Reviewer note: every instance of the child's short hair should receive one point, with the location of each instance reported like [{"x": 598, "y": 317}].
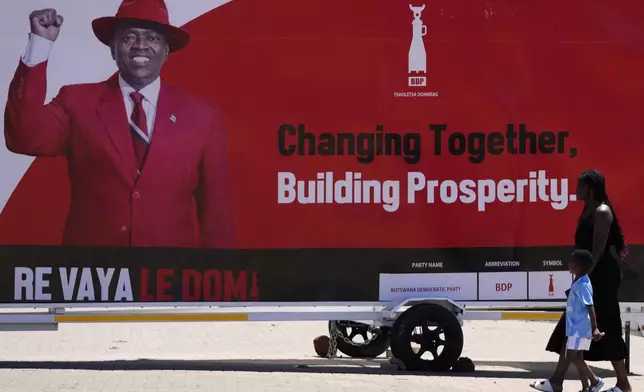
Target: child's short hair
[{"x": 584, "y": 258}]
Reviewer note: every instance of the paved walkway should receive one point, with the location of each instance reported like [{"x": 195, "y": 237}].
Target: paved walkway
[{"x": 261, "y": 357}]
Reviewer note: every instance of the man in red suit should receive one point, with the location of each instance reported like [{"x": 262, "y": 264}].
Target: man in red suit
[{"x": 141, "y": 154}]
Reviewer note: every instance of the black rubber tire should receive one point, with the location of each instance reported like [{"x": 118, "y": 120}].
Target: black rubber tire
[
  {"x": 412, "y": 318},
  {"x": 376, "y": 347}
]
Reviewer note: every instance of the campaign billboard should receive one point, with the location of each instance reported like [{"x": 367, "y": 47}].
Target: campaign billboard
[{"x": 312, "y": 151}]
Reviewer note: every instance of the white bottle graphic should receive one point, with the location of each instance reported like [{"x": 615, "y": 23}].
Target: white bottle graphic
[{"x": 417, "y": 53}]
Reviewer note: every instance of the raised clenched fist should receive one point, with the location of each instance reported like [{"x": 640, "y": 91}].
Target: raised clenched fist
[{"x": 46, "y": 23}]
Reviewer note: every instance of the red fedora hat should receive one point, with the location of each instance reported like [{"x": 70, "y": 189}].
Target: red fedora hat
[{"x": 154, "y": 11}]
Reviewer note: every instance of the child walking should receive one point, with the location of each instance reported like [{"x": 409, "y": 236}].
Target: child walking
[{"x": 581, "y": 324}]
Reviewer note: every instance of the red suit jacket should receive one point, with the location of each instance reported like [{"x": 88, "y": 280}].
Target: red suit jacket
[{"x": 111, "y": 204}]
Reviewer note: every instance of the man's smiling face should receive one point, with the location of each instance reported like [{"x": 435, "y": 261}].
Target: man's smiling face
[{"x": 140, "y": 50}]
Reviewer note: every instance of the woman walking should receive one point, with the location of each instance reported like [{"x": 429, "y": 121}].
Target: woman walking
[{"x": 598, "y": 231}]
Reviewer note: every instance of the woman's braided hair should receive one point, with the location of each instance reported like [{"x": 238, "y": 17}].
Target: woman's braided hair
[{"x": 596, "y": 182}]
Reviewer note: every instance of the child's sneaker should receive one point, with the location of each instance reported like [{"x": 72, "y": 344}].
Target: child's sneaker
[{"x": 597, "y": 387}]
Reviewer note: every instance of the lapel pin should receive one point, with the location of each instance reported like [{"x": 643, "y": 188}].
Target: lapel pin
[{"x": 173, "y": 118}]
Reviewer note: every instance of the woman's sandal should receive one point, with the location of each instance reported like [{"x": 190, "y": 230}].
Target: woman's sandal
[{"x": 544, "y": 386}]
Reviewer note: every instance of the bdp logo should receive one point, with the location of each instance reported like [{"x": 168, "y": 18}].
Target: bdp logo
[{"x": 417, "y": 53}]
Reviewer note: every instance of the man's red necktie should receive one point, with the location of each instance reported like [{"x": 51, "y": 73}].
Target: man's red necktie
[{"x": 139, "y": 119}]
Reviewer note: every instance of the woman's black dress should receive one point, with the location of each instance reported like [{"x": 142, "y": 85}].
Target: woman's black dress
[{"x": 606, "y": 278}]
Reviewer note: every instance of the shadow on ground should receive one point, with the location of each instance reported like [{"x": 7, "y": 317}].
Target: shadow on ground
[{"x": 484, "y": 369}]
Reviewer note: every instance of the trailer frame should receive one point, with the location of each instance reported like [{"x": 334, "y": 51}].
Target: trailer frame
[{"x": 391, "y": 318}]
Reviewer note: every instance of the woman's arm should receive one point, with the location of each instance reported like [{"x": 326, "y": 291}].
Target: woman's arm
[{"x": 603, "y": 219}]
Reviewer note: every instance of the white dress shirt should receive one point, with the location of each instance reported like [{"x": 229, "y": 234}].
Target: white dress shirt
[{"x": 39, "y": 49}]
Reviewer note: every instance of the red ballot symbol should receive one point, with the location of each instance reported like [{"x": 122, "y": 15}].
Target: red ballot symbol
[{"x": 551, "y": 286}]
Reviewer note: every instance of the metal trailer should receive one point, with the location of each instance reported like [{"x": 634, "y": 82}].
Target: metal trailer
[{"x": 398, "y": 326}]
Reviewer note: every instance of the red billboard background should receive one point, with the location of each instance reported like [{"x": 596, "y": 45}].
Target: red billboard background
[{"x": 335, "y": 66}]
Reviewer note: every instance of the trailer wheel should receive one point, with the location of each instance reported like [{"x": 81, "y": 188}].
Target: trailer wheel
[
  {"x": 374, "y": 342},
  {"x": 431, "y": 327}
]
